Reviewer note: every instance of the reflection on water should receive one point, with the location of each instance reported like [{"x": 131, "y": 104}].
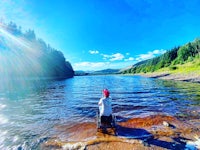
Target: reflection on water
[{"x": 30, "y": 109}]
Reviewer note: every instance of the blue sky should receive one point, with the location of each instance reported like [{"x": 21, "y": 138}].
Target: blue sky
[{"x": 100, "y": 34}]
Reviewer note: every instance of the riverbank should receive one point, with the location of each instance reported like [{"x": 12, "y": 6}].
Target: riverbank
[
  {"x": 188, "y": 77},
  {"x": 189, "y": 72}
]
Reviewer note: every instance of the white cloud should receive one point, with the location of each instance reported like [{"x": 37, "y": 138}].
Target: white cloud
[
  {"x": 129, "y": 59},
  {"x": 94, "y": 52},
  {"x": 105, "y": 56},
  {"x": 116, "y": 56},
  {"x": 93, "y": 66},
  {"x": 150, "y": 55},
  {"x": 113, "y": 57},
  {"x": 90, "y": 65},
  {"x": 158, "y": 52},
  {"x": 145, "y": 56}
]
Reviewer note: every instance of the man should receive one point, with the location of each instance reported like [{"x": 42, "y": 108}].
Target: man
[{"x": 105, "y": 108}]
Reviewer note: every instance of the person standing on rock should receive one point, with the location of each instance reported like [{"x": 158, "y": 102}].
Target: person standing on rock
[{"x": 105, "y": 107}]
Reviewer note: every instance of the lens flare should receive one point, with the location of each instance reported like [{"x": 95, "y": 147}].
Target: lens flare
[{"x": 18, "y": 58}]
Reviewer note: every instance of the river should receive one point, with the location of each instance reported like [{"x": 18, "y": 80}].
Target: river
[{"x": 30, "y": 109}]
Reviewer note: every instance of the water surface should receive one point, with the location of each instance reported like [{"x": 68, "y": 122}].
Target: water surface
[{"x": 30, "y": 109}]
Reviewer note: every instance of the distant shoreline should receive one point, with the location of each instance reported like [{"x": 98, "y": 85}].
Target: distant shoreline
[{"x": 187, "y": 77}]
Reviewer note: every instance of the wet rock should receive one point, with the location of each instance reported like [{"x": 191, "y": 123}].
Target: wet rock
[
  {"x": 165, "y": 123},
  {"x": 147, "y": 121},
  {"x": 137, "y": 133}
]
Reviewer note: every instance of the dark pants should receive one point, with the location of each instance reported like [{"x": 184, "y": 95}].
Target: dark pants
[{"x": 106, "y": 119}]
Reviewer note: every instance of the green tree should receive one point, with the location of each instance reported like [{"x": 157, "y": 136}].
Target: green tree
[{"x": 52, "y": 62}]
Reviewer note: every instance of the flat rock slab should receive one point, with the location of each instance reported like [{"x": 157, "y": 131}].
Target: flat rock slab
[{"x": 136, "y": 133}]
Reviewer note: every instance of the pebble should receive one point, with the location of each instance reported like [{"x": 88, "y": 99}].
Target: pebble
[{"x": 165, "y": 123}]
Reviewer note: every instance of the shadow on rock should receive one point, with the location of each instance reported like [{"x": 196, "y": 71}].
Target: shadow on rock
[
  {"x": 176, "y": 144},
  {"x": 148, "y": 139},
  {"x": 135, "y": 133}
]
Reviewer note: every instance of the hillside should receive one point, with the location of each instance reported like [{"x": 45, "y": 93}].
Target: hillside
[
  {"x": 189, "y": 71},
  {"x": 106, "y": 71},
  {"x": 24, "y": 55},
  {"x": 99, "y": 72},
  {"x": 179, "y": 60}
]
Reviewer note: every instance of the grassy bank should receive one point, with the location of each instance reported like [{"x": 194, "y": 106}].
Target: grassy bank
[
  {"x": 187, "y": 68},
  {"x": 189, "y": 71}
]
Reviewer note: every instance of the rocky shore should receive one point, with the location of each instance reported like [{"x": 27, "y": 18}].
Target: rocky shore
[
  {"x": 188, "y": 77},
  {"x": 151, "y": 132}
]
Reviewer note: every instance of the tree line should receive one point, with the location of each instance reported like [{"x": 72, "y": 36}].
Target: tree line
[
  {"x": 173, "y": 57},
  {"x": 52, "y": 62}
]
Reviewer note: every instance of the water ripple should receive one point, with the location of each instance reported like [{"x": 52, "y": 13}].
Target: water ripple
[{"x": 28, "y": 117}]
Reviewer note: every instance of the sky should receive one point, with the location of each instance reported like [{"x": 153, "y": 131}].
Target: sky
[{"x": 101, "y": 34}]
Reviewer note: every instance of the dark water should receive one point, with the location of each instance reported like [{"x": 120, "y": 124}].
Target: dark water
[{"x": 30, "y": 109}]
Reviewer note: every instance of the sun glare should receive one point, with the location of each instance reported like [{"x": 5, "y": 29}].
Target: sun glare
[{"x": 17, "y": 58}]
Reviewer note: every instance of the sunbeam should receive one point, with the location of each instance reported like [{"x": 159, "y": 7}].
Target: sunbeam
[{"x": 18, "y": 59}]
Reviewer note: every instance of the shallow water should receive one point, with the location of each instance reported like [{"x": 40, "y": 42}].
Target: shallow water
[{"x": 30, "y": 110}]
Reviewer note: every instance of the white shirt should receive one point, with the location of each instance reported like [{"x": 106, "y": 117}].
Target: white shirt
[{"x": 105, "y": 107}]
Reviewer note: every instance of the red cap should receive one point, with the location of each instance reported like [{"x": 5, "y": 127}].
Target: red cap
[{"x": 106, "y": 92}]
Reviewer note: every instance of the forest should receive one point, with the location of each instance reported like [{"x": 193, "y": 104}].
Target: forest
[
  {"x": 23, "y": 54},
  {"x": 176, "y": 56}
]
